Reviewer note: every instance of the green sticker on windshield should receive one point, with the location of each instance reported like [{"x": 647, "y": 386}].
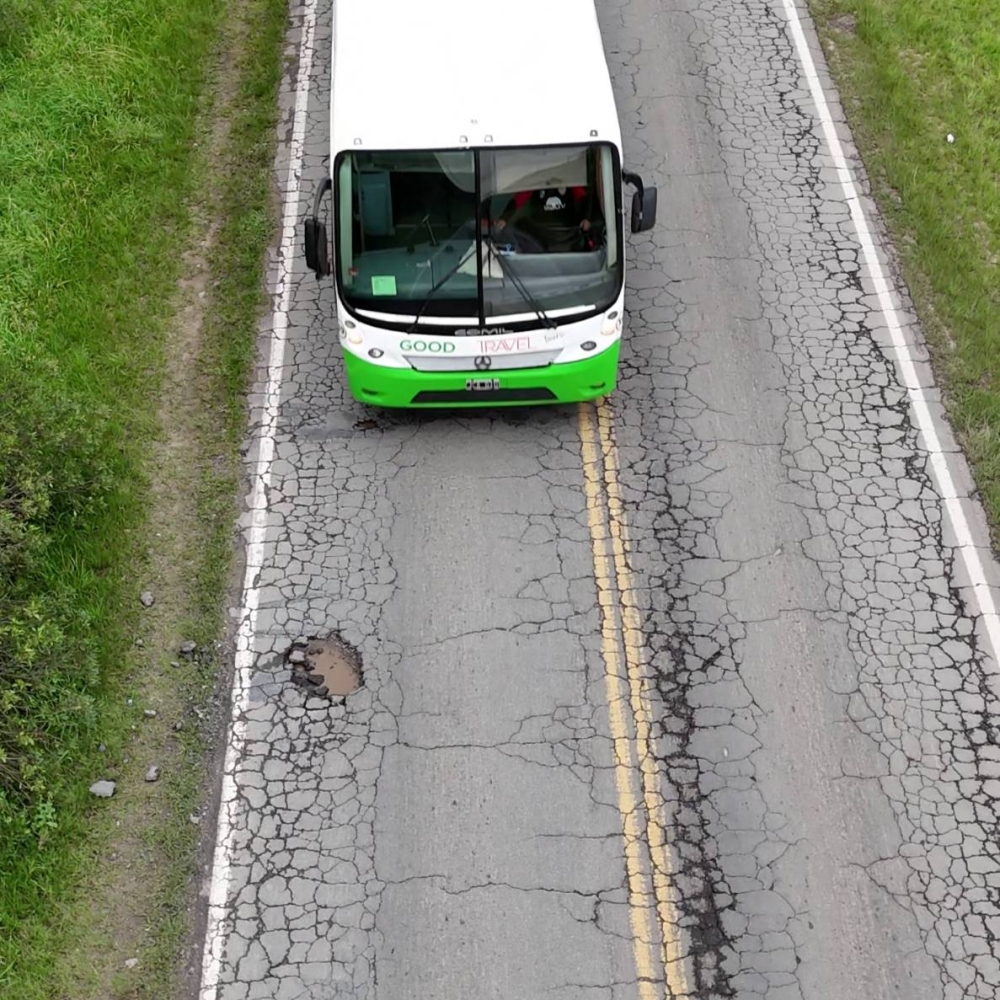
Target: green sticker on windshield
[{"x": 384, "y": 284}]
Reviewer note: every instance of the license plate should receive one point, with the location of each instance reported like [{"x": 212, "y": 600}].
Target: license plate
[{"x": 482, "y": 384}]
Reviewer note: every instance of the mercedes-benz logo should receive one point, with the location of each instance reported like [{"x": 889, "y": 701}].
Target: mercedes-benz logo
[{"x": 483, "y": 363}]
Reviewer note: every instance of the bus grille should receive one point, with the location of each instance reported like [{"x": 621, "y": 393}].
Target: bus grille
[{"x": 532, "y": 395}]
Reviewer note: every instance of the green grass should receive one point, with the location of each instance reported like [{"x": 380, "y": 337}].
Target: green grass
[
  {"x": 910, "y": 72},
  {"x": 97, "y": 103},
  {"x": 248, "y": 211},
  {"x": 100, "y": 101}
]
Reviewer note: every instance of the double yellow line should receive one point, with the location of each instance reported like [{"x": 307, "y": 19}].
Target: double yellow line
[{"x": 661, "y": 961}]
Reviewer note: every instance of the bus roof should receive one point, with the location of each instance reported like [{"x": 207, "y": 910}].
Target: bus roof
[{"x": 411, "y": 74}]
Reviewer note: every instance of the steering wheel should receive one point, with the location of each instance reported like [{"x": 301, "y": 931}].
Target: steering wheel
[
  {"x": 521, "y": 241},
  {"x": 576, "y": 240}
]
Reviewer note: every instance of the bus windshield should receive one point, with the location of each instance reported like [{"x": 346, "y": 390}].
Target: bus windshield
[{"x": 479, "y": 236}]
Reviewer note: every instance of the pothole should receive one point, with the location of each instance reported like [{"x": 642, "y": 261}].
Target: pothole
[{"x": 327, "y": 668}]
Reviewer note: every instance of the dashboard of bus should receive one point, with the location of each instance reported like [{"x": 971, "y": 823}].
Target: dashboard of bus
[{"x": 478, "y": 236}]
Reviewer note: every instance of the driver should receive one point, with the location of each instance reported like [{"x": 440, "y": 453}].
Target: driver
[{"x": 549, "y": 213}]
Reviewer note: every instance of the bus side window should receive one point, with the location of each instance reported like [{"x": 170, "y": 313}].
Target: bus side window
[
  {"x": 594, "y": 209},
  {"x": 608, "y": 205},
  {"x": 349, "y": 232}
]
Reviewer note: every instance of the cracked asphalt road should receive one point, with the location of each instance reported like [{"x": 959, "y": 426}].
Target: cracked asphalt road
[{"x": 827, "y": 754}]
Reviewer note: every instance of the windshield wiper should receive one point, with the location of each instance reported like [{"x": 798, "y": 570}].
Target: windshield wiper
[
  {"x": 545, "y": 319},
  {"x": 436, "y": 287},
  {"x": 515, "y": 279}
]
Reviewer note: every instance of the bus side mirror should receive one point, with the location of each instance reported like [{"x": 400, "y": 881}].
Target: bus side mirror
[
  {"x": 643, "y": 204},
  {"x": 317, "y": 257},
  {"x": 314, "y": 235},
  {"x": 643, "y": 210}
]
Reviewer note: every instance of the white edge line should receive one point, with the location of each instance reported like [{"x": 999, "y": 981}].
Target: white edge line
[
  {"x": 982, "y": 595},
  {"x": 261, "y": 480}
]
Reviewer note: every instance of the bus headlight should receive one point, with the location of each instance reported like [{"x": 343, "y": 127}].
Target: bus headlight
[
  {"x": 354, "y": 337},
  {"x": 612, "y": 324}
]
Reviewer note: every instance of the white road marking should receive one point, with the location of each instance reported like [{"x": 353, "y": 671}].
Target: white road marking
[
  {"x": 261, "y": 480},
  {"x": 982, "y": 598}
]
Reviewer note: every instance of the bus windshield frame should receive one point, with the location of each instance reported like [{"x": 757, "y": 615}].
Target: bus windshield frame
[{"x": 455, "y": 238}]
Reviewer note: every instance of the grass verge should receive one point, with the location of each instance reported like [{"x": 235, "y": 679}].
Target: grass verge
[
  {"x": 911, "y": 73},
  {"x": 135, "y": 179}
]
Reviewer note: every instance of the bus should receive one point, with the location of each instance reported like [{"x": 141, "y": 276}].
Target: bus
[{"x": 472, "y": 217}]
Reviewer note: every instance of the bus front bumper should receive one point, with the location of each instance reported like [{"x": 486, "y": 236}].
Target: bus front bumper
[{"x": 404, "y": 388}]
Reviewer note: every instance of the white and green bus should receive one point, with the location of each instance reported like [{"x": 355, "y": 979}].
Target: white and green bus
[{"x": 472, "y": 218}]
